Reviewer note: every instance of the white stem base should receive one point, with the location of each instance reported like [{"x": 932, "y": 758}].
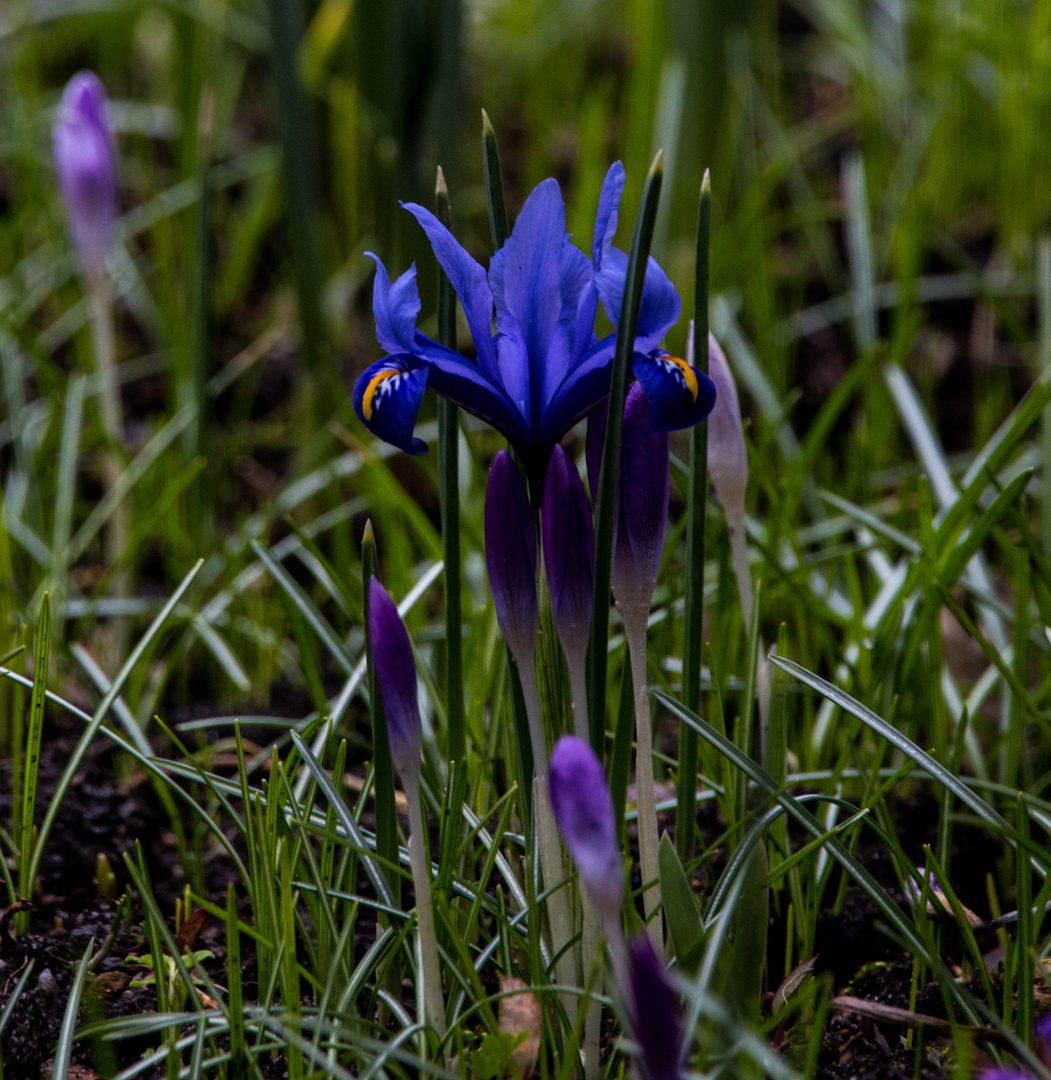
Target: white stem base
[
  {"x": 551, "y": 867},
  {"x": 433, "y": 1001}
]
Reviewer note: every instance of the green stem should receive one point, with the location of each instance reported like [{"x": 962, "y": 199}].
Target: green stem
[
  {"x": 606, "y": 495},
  {"x": 433, "y": 1001},
  {"x": 635, "y": 631},
  {"x": 696, "y": 504},
  {"x": 449, "y": 494}
]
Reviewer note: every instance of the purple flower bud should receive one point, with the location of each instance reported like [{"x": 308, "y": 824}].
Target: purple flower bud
[
  {"x": 569, "y": 553},
  {"x": 642, "y": 501},
  {"x": 727, "y": 457},
  {"x": 656, "y": 1014},
  {"x": 1043, "y": 1032},
  {"x": 510, "y": 556},
  {"x": 1003, "y": 1074},
  {"x": 584, "y": 812},
  {"x": 86, "y": 164},
  {"x": 396, "y": 677}
]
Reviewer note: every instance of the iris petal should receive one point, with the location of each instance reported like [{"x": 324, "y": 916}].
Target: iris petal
[
  {"x": 660, "y": 306},
  {"x": 678, "y": 395},
  {"x": 525, "y": 277},
  {"x": 606, "y": 218},
  {"x": 395, "y": 307},
  {"x": 468, "y": 280},
  {"x": 387, "y": 399}
]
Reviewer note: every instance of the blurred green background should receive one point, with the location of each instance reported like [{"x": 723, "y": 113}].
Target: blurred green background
[{"x": 879, "y": 173}]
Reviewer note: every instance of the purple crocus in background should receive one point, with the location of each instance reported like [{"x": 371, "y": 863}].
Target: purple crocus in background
[
  {"x": 569, "y": 562},
  {"x": 656, "y": 1014},
  {"x": 85, "y": 155},
  {"x": 728, "y": 464},
  {"x": 86, "y": 165},
  {"x": 396, "y": 680},
  {"x": 642, "y": 513},
  {"x": 545, "y": 369}
]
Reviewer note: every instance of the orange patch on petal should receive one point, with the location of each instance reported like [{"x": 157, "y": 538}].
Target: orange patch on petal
[
  {"x": 687, "y": 374},
  {"x": 374, "y": 385}
]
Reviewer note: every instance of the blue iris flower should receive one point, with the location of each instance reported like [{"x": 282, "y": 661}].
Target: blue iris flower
[{"x": 544, "y": 369}]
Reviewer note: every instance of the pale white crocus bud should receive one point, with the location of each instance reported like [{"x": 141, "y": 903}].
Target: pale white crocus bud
[{"x": 728, "y": 462}]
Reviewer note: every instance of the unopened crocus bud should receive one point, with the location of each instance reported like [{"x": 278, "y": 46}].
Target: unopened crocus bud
[
  {"x": 728, "y": 468},
  {"x": 569, "y": 553},
  {"x": 642, "y": 502},
  {"x": 396, "y": 677},
  {"x": 510, "y": 556},
  {"x": 727, "y": 457},
  {"x": 584, "y": 812},
  {"x": 86, "y": 164},
  {"x": 656, "y": 1014}
]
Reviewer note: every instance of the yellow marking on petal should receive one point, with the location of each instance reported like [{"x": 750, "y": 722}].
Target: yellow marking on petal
[
  {"x": 374, "y": 385},
  {"x": 687, "y": 374}
]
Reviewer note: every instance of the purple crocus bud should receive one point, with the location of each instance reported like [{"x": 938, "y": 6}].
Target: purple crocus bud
[
  {"x": 86, "y": 164},
  {"x": 396, "y": 677},
  {"x": 1003, "y": 1074},
  {"x": 727, "y": 457},
  {"x": 584, "y": 813},
  {"x": 569, "y": 553},
  {"x": 656, "y": 1013},
  {"x": 642, "y": 502},
  {"x": 510, "y": 556},
  {"x": 1043, "y": 1033}
]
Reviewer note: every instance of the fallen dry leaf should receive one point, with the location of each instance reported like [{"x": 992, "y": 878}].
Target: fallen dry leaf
[{"x": 520, "y": 1012}]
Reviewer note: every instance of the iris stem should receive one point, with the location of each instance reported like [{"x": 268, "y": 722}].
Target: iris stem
[
  {"x": 433, "y": 1002},
  {"x": 105, "y": 347},
  {"x": 635, "y": 631},
  {"x": 547, "y": 835}
]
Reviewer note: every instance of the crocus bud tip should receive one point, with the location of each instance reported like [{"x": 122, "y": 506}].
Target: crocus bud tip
[{"x": 583, "y": 811}]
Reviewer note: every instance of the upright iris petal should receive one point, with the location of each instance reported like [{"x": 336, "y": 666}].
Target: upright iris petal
[
  {"x": 86, "y": 165},
  {"x": 510, "y": 557},
  {"x": 569, "y": 561},
  {"x": 396, "y": 676},
  {"x": 584, "y": 812},
  {"x": 544, "y": 369},
  {"x": 656, "y": 1014}
]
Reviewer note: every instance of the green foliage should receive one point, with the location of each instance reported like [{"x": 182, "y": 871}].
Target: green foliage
[{"x": 881, "y": 286}]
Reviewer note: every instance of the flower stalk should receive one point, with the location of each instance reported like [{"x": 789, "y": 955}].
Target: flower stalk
[{"x": 396, "y": 680}]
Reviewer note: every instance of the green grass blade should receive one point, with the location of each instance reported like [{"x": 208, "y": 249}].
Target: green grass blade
[
  {"x": 494, "y": 184},
  {"x": 88, "y": 736},
  {"x": 238, "y": 1068},
  {"x": 307, "y": 608},
  {"x": 899, "y": 741},
  {"x": 297, "y": 150},
  {"x": 64, "y": 1049},
  {"x": 376, "y": 875},
  {"x": 605, "y": 499},
  {"x": 31, "y": 766},
  {"x": 696, "y": 504}
]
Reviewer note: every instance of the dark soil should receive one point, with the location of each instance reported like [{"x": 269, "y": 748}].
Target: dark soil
[{"x": 106, "y": 815}]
